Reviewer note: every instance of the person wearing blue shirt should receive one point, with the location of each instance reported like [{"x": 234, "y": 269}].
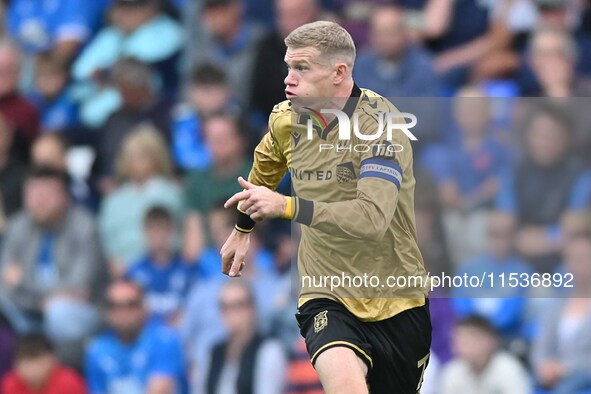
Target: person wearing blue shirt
[
  {"x": 58, "y": 26},
  {"x": 467, "y": 173},
  {"x": 134, "y": 356},
  {"x": 208, "y": 93},
  {"x": 51, "y": 95},
  {"x": 502, "y": 306},
  {"x": 392, "y": 66},
  {"x": 164, "y": 276}
]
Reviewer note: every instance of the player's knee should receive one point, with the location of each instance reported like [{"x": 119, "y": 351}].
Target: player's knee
[{"x": 341, "y": 371}]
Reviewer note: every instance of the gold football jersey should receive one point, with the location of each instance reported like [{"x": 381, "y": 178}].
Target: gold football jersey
[{"x": 355, "y": 201}]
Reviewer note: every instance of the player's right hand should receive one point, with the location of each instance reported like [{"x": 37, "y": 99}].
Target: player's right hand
[{"x": 234, "y": 252}]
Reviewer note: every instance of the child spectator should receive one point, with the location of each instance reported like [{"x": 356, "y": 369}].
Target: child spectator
[
  {"x": 165, "y": 278},
  {"x": 479, "y": 366},
  {"x": 208, "y": 93},
  {"x": 51, "y": 95},
  {"x": 503, "y": 307},
  {"x": 37, "y": 370}
]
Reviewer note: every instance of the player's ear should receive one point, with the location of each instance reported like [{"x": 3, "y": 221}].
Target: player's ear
[{"x": 341, "y": 73}]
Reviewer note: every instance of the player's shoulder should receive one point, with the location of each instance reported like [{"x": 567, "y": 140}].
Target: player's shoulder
[
  {"x": 375, "y": 102},
  {"x": 280, "y": 118}
]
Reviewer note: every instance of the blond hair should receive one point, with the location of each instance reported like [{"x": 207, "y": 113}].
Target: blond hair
[
  {"x": 149, "y": 141},
  {"x": 330, "y": 38}
]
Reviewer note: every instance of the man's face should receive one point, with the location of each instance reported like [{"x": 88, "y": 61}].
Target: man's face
[
  {"x": 472, "y": 114},
  {"x": 159, "y": 234},
  {"x": 50, "y": 82},
  {"x": 48, "y": 152},
  {"x": 550, "y": 61},
  {"x": 46, "y": 200},
  {"x": 388, "y": 34},
  {"x": 309, "y": 80},
  {"x": 126, "y": 312},
  {"x": 473, "y": 346},
  {"x": 547, "y": 140},
  {"x": 292, "y": 14},
  {"x": 9, "y": 71},
  {"x": 208, "y": 99},
  {"x": 236, "y": 309},
  {"x": 35, "y": 371},
  {"x": 221, "y": 20},
  {"x": 223, "y": 141}
]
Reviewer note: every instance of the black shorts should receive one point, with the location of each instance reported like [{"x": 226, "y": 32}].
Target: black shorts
[{"x": 396, "y": 350}]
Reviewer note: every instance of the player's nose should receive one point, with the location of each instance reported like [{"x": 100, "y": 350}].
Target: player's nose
[{"x": 290, "y": 79}]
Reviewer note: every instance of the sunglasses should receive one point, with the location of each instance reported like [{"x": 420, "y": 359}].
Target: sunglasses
[{"x": 235, "y": 305}]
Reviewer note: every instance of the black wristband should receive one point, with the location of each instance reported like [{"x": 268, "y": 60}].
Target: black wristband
[{"x": 244, "y": 223}]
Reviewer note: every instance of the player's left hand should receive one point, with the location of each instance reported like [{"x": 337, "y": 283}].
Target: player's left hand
[{"x": 258, "y": 202}]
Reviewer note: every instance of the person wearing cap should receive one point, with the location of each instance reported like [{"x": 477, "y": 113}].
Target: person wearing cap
[{"x": 135, "y": 27}]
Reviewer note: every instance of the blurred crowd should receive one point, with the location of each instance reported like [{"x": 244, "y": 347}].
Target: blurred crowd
[{"x": 124, "y": 125}]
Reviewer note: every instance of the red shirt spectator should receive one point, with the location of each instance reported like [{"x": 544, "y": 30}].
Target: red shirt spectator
[{"x": 61, "y": 380}]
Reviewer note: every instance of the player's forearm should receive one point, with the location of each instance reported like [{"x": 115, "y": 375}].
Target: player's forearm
[{"x": 361, "y": 218}]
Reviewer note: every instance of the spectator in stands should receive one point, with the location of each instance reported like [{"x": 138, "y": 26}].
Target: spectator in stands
[
  {"x": 51, "y": 263},
  {"x": 51, "y": 95},
  {"x": 562, "y": 350},
  {"x": 165, "y": 278},
  {"x": 50, "y": 150},
  {"x": 12, "y": 172},
  {"x": 204, "y": 188},
  {"x": 553, "y": 57},
  {"x": 208, "y": 94},
  {"x": 144, "y": 166},
  {"x": 479, "y": 366},
  {"x": 134, "y": 356},
  {"x": 392, "y": 66},
  {"x": 524, "y": 191},
  {"x": 140, "y": 103},
  {"x": 228, "y": 41},
  {"x": 467, "y": 173},
  {"x": 560, "y": 15},
  {"x": 56, "y": 26},
  {"x": 202, "y": 323},
  {"x": 135, "y": 26},
  {"x": 503, "y": 307},
  {"x": 18, "y": 111},
  {"x": 270, "y": 70},
  {"x": 245, "y": 361},
  {"x": 462, "y": 33},
  {"x": 37, "y": 370}
]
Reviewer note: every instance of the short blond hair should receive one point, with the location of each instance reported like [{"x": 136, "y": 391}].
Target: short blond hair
[
  {"x": 330, "y": 38},
  {"x": 149, "y": 141}
]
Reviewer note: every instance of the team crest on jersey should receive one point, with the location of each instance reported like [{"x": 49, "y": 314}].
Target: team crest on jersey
[
  {"x": 320, "y": 321},
  {"x": 345, "y": 172},
  {"x": 296, "y": 138}
]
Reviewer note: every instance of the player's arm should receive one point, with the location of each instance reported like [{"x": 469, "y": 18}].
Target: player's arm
[
  {"x": 367, "y": 216},
  {"x": 267, "y": 171}
]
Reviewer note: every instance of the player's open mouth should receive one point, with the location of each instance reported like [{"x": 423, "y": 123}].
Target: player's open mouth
[{"x": 289, "y": 94}]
